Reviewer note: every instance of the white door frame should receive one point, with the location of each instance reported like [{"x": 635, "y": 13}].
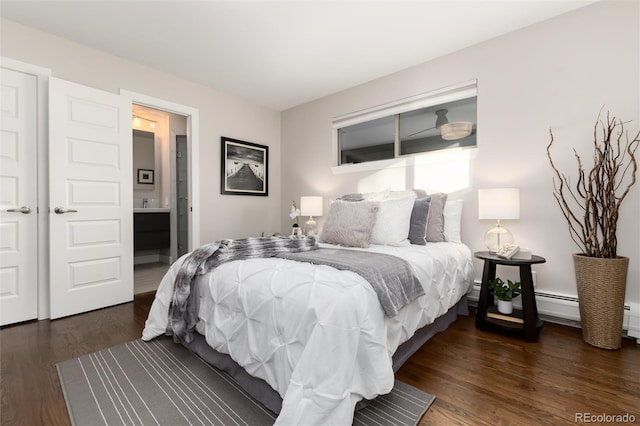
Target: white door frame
[
  {"x": 193, "y": 135},
  {"x": 42, "y": 81}
]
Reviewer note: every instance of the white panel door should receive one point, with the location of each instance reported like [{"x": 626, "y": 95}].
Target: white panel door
[
  {"x": 91, "y": 213},
  {"x": 18, "y": 198}
]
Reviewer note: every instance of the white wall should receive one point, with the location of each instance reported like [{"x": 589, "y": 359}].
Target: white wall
[
  {"x": 221, "y": 114},
  {"x": 556, "y": 74}
]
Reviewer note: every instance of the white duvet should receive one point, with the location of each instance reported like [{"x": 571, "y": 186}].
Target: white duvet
[{"x": 317, "y": 335}]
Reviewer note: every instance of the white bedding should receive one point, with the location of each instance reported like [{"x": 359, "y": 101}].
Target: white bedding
[{"x": 317, "y": 335}]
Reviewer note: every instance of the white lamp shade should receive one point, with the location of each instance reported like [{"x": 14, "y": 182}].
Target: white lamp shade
[
  {"x": 311, "y": 206},
  {"x": 499, "y": 203}
]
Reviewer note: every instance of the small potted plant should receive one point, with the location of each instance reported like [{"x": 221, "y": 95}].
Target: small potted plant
[{"x": 505, "y": 292}]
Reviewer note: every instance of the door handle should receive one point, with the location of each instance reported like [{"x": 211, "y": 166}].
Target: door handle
[
  {"x": 23, "y": 210},
  {"x": 62, "y": 210}
]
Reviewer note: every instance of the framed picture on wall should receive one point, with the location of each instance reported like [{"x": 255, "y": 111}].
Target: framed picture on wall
[
  {"x": 145, "y": 176},
  {"x": 244, "y": 168}
]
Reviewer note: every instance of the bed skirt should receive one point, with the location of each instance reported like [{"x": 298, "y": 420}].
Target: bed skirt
[{"x": 260, "y": 390}]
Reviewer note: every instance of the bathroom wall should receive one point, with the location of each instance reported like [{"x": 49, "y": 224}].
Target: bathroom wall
[{"x": 144, "y": 160}]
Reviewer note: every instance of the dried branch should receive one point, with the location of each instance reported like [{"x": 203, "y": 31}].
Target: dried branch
[{"x": 598, "y": 194}]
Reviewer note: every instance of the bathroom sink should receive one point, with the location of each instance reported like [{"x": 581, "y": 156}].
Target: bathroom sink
[{"x": 151, "y": 210}]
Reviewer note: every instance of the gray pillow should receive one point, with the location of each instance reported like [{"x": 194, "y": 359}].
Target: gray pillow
[
  {"x": 418, "y": 225},
  {"x": 349, "y": 223},
  {"x": 351, "y": 197},
  {"x": 420, "y": 193},
  {"x": 435, "y": 220}
]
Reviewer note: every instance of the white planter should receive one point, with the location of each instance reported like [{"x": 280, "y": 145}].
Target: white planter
[{"x": 505, "y": 306}]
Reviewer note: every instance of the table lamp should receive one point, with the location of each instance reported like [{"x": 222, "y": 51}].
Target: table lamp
[
  {"x": 310, "y": 206},
  {"x": 498, "y": 204}
]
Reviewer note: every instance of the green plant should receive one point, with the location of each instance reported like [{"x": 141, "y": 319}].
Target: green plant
[{"x": 505, "y": 291}]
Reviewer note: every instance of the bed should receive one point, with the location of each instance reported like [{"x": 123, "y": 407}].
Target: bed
[{"x": 308, "y": 340}]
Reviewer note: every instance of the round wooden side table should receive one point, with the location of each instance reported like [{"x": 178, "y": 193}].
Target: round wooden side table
[{"x": 524, "y": 321}]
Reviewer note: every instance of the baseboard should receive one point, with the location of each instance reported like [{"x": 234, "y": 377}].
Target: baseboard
[
  {"x": 634, "y": 321},
  {"x": 564, "y": 310}
]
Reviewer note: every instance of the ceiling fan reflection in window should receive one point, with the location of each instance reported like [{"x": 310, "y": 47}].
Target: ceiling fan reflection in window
[{"x": 449, "y": 131}]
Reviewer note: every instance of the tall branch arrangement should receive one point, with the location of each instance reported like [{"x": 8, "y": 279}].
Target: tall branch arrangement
[{"x": 591, "y": 205}]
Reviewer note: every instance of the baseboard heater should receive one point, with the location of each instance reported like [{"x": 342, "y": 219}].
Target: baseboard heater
[{"x": 553, "y": 308}]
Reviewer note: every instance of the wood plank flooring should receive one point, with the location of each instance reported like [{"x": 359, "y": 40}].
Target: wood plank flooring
[
  {"x": 485, "y": 378},
  {"x": 478, "y": 377}
]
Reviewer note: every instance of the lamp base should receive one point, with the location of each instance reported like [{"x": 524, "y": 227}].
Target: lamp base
[
  {"x": 497, "y": 237},
  {"x": 310, "y": 228}
]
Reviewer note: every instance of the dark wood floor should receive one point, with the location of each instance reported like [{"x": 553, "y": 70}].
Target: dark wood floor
[
  {"x": 478, "y": 377},
  {"x": 484, "y": 378}
]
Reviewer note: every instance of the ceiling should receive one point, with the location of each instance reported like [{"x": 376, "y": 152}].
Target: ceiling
[{"x": 282, "y": 53}]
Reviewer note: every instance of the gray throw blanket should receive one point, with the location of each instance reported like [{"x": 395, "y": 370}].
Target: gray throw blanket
[
  {"x": 183, "y": 315},
  {"x": 391, "y": 277}
]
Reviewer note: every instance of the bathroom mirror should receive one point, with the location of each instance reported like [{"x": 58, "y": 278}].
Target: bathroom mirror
[{"x": 144, "y": 161}]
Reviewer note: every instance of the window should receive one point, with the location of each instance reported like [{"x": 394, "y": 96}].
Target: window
[
  {"x": 368, "y": 141},
  {"x": 434, "y": 121}
]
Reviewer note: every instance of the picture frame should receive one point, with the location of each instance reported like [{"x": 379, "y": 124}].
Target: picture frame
[
  {"x": 244, "y": 168},
  {"x": 145, "y": 176}
]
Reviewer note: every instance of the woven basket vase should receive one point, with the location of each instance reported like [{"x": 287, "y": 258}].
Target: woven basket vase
[{"x": 601, "y": 286}]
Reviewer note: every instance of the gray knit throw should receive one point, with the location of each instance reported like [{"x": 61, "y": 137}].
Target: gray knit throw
[{"x": 183, "y": 315}]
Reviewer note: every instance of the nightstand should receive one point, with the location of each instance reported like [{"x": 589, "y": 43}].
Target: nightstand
[{"x": 523, "y": 321}]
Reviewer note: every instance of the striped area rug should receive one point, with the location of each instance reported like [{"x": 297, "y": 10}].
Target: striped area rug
[{"x": 162, "y": 383}]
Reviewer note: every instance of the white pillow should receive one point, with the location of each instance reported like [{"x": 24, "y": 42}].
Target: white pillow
[
  {"x": 392, "y": 222},
  {"x": 394, "y": 195},
  {"x": 376, "y": 196},
  {"x": 452, "y": 219}
]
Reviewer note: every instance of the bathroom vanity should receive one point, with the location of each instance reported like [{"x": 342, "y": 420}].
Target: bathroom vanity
[{"x": 151, "y": 229}]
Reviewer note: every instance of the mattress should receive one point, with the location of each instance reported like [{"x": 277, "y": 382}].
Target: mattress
[
  {"x": 262, "y": 392},
  {"x": 316, "y": 335}
]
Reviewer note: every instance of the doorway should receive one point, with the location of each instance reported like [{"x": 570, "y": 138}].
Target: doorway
[
  {"x": 45, "y": 282},
  {"x": 178, "y": 173},
  {"x": 160, "y": 195}
]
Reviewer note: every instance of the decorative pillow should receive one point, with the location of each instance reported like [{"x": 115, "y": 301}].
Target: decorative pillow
[
  {"x": 394, "y": 195},
  {"x": 349, "y": 223},
  {"x": 376, "y": 196},
  {"x": 392, "y": 222},
  {"x": 418, "y": 222},
  {"x": 351, "y": 197},
  {"x": 420, "y": 193},
  {"x": 452, "y": 218},
  {"x": 368, "y": 196},
  {"x": 435, "y": 221}
]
